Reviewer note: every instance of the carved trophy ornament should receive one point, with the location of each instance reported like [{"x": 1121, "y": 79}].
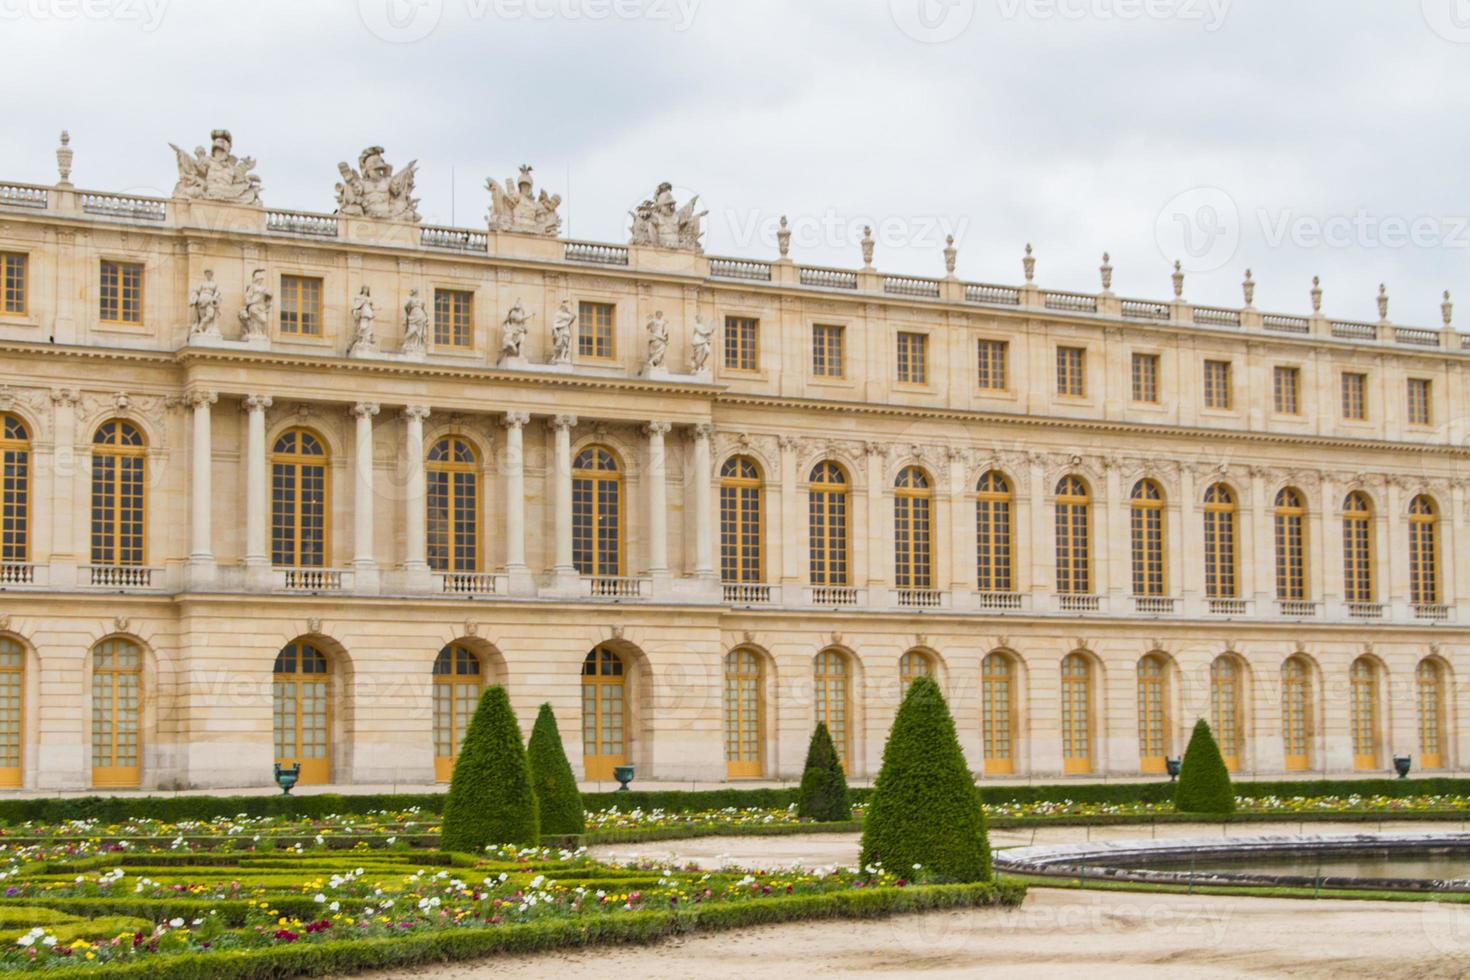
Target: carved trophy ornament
[
  {"x": 373, "y": 190},
  {"x": 218, "y": 175},
  {"x": 256, "y": 316},
  {"x": 661, "y": 222},
  {"x": 204, "y": 306},
  {"x": 516, "y": 207}
]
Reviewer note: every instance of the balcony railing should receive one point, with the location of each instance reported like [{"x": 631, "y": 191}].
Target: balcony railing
[
  {"x": 595, "y": 253},
  {"x": 23, "y": 196},
  {"x": 1433, "y": 611},
  {"x": 454, "y": 239},
  {"x": 1416, "y": 336},
  {"x": 811, "y": 275},
  {"x": 618, "y": 587},
  {"x": 1073, "y": 602},
  {"x": 984, "y": 292},
  {"x": 747, "y": 594},
  {"x": 1353, "y": 330},
  {"x": 740, "y": 269},
  {"x": 998, "y": 601},
  {"x": 1153, "y": 605},
  {"x": 17, "y": 573},
  {"x": 833, "y": 595},
  {"x": 1227, "y": 607},
  {"x": 313, "y": 579},
  {"x": 911, "y": 286},
  {"x": 1365, "y": 610},
  {"x": 1142, "y": 309},
  {"x": 1297, "y": 608},
  {"x": 1281, "y": 323},
  {"x": 1069, "y": 302},
  {"x": 1216, "y": 316},
  {"x": 122, "y": 206},
  {"x": 120, "y": 576},
  {"x": 920, "y": 598},
  {"x": 467, "y": 583},
  {"x": 301, "y": 223}
]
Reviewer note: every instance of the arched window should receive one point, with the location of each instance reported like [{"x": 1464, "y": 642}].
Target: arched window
[
  {"x": 1076, "y": 713},
  {"x": 458, "y": 682},
  {"x": 744, "y": 722},
  {"x": 1146, "y": 513},
  {"x": 1364, "y": 703},
  {"x": 832, "y": 686},
  {"x": 1291, "y": 552},
  {"x": 604, "y": 713},
  {"x": 301, "y": 695},
  {"x": 299, "y": 500},
  {"x": 1153, "y": 713},
  {"x": 914, "y": 664},
  {"x": 597, "y": 514},
  {"x": 1357, "y": 549},
  {"x": 1296, "y": 714},
  {"x": 119, "y": 476},
  {"x": 12, "y": 700},
  {"x": 827, "y": 511},
  {"x": 117, "y": 703},
  {"x": 452, "y": 484},
  {"x": 15, "y": 495},
  {"x": 742, "y": 531},
  {"x": 1430, "y": 677},
  {"x": 1227, "y": 714},
  {"x": 1074, "y": 537},
  {"x": 994, "y": 534},
  {"x": 998, "y": 713},
  {"x": 1423, "y": 552},
  {"x": 913, "y": 530},
  {"x": 1220, "y": 563}
]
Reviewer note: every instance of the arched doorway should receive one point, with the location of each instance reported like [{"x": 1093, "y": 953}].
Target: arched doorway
[
  {"x": 1076, "y": 714},
  {"x": 1296, "y": 714},
  {"x": 1227, "y": 709},
  {"x": 12, "y": 700},
  {"x": 458, "y": 680},
  {"x": 301, "y": 698},
  {"x": 832, "y": 686},
  {"x": 998, "y": 713},
  {"x": 1153, "y": 713},
  {"x": 117, "y": 703},
  {"x": 604, "y": 713},
  {"x": 744, "y": 718}
]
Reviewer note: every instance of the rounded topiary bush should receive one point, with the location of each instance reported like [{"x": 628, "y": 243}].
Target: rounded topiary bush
[
  {"x": 490, "y": 799},
  {"x": 557, "y": 796},
  {"x": 925, "y": 808},
  {"x": 1204, "y": 782},
  {"x": 823, "y": 793}
]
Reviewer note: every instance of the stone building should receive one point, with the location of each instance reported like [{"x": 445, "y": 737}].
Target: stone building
[{"x": 282, "y": 486}]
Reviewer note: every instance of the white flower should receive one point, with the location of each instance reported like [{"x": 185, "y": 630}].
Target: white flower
[
  {"x": 176, "y": 923},
  {"x": 335, "y": 906},
  {"x": 320, "y": 898}
]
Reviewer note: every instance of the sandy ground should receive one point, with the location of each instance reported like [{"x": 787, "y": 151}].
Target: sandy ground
[{"x": 1085, "y": 933}]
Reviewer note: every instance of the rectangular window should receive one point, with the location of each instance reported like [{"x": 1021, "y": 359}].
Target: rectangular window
[
  {"x": 829, "y": 343},
  {"x": 742, "y": 343},
  {"x": 121, "y": 293},
  {"x": 913, "y": 358},
  {"x": 13, "y": 267},
  {"x": 1217, "y": 384},
  {"x": 301, "y": 306},
  {"x": 1286, "y": 390},
  {"x": 1419, "y": 401},
  {"x": 1354, "y": 396},
  {"x": 454, "y": 318},
  {"x": 1071, "y": 364},
  {"x": 993, "y": 357},
  {"x": 1146, "y": 378},
  {"x": 595, "y": 331}
]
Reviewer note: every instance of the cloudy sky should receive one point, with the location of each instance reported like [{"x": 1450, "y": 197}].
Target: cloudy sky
[{"x": 1296, "y": 137}]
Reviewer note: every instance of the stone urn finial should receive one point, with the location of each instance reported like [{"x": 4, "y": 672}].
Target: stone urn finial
[
  {"x": 1447, "y": 309},
  {"x": 1316, "y": 294},
  {"x": 63, "y": 160},
  {"x": 867, "y": 244},
  {"x": 1382, "y": 302},
  {"x": 1107, "y": 273},
  {"x": 1028, "y": 264},
  {"x": 1248, "y": 286},
  {"x": 951, "y": 254},
  {"x": 783, "y": 238},
  {"x": 1178, "y": 279}
]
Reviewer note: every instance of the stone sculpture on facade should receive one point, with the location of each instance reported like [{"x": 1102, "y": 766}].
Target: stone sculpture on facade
[
  {"x": 415, "y": 324},
  {"x": 363, "y": 313},
  {"x": 658, "y": 342},
  {"x": 516, "y": 208},
  {"x": 513, "y": 332},
  {"x": 561, "y": 333},
  {"x": 204, "y": 302},
  {"x": 375, "y": 191},
  {"x": 661, "y": 222},
  {"x": 218, "y": 175},
  {"x": 699, "y": 345},
  {"x": 255, "y": 318}
]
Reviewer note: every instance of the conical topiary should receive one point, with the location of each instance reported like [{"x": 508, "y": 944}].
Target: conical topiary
[
  {"x": 1204, "y": 782},
  {"x": 823, "y": 794},
  {"x": 925, "y": 808},
  {"x": 490, "y": 799},
  {"x": 557, "y": 796}
]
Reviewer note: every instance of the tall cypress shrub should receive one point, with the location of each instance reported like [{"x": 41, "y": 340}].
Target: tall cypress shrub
[
  {"x": 490, "y": 799},
  {"x": 823, "y": 793},
  {"x": 925, "y": 808},
  {"x": 1204, "y": 782},
  {"x": 551, "y": 774}
]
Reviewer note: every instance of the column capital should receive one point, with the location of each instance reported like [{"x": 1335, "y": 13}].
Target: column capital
[
  {"x": 363, "y": 410},
  {"x": 201, "y": 399},
  {"x": 257, "y": 403},
  {"x": 514, "y": 420},
  {"x": 658, "y": 428},
  {"x": 416, "y": 413},
  {"x": 704, "y": 430},
  {"x": 559, "y": 422},
  {"x": 65, "y": 396}
]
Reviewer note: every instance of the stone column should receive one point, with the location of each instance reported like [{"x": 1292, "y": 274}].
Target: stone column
[
  {"x": 257, "y": 552},
  {"x": 416, "y": 561},
  {"x": 873, "y": 563},
  {"x": 64, "y": 505},
  {"x": 363, "y": 563},
  {"x": 515, "y": 503},
  {"x": 201, "y": 548},
  {"x": 1110, "y": 543},
  {"x": 791, "y": 534},
  {"x": 564, "y": 573},
  {"x": 704, "y": 552},
  {"x": 658, "y": 505}
]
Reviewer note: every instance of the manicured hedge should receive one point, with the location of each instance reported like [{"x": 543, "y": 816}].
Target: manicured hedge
[
  {"x": 823, "y": 793},
  {"x": 1204, "y": 782},
  {"x": 491, "y": 799},
  {"x": 556, "y": 785}
]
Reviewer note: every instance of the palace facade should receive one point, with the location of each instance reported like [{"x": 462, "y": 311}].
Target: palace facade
[{"x": 292, "y": 487}]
